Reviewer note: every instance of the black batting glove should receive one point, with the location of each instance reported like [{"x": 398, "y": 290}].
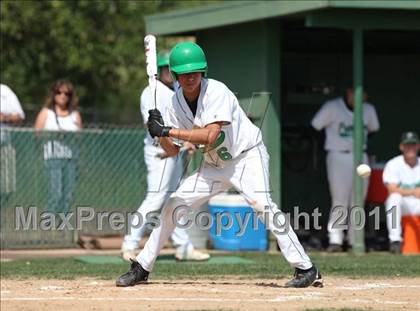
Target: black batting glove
[
  {"x": 157, "y": 128},
  {"x": 155, "y": 115},
  {"x": 156, "y": 125}
]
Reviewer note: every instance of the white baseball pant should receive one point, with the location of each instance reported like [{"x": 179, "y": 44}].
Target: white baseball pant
[
  {"x": 340, "y": 172},
  {"x": 249, "y": 174},
  {"x": 397, "y": 206},
  {"x": 163, "y": 178}
]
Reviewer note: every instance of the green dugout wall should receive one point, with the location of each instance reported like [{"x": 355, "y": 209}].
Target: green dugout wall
[
  {"x": 252, "y": 72},
  {"x": 302, "y": 54}
]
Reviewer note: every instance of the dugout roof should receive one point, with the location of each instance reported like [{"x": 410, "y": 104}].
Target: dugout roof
[{"x": 317, "y": 13}]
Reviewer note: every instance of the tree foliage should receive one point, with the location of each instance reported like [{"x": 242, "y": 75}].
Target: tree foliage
[{"x": 98, "y": 45}]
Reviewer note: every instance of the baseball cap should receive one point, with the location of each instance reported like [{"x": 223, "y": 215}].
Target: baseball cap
[{"x": 409, "y": 138}]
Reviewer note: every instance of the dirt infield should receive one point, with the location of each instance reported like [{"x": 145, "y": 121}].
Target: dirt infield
[{"x": 222, "y": 294}]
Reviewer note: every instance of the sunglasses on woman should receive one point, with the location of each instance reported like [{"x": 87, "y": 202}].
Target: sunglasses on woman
[{"x": 68, "y": 94}]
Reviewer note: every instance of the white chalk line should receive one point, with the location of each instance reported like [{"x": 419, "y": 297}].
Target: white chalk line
[
  {"x": 174, "y": 299},
  {"x": 205, "y": 289},
  {"x": 52, "y": 288},
  {"x": 375, "y": 285},
  {"x": 181, "y": 288},
  {"x": 307, "y": 296},
  {"x": 207, "y": 299}
]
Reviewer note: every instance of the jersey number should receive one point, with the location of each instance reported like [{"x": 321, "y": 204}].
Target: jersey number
[
  {"x": 224, "y": 154},
  {"x": 221, "y": 152}
]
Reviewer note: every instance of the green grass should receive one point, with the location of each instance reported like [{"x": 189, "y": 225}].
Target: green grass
[{"x": 264, "y": 266}]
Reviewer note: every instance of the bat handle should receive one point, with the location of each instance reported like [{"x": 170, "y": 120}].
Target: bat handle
[{"x": 156, "y": 141}]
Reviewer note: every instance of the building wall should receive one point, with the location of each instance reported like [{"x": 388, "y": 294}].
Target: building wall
[
  {"x": 394, "y": 82},
  {"x": 236, "y": 55}
]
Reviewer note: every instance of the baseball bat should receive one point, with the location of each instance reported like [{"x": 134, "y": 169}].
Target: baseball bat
[
  {"x": 151, "y": 68},
  {"x": 164, "y": 155}
]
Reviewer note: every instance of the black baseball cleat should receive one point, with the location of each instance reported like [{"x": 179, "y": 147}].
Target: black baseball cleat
[
  {"x": 306, "y": 278},
  {"x": 395, "y": 247},
  {"x": 335, "y": 248},
  {"x": 135, "y": 275}
]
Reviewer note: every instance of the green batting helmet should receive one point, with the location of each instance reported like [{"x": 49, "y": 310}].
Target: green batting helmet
[
  {"x": 187, "y": 57},
  {"x": 163, "y": 59}
]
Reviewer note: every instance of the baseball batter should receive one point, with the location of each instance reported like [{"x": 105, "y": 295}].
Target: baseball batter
[
  {"x": 163, "y": 175},
  {"x": 402, "y": 178},
  {"x": 205, "y": 112},
  {"x": 336, "y": 117}
]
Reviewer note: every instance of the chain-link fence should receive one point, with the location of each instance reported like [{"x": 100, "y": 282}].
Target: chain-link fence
[{"x": 59, "y": 172}]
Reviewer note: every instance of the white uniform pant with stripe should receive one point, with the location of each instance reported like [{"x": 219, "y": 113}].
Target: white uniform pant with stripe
[
  {"x": 340, "y": 171},
  {"x": 396, "y": 207},
  {"x": 249, "y": 174},
  {"x": 163, "y": 178}
]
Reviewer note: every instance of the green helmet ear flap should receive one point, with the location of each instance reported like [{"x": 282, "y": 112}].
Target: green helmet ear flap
[{"x": 187, "y": 57}]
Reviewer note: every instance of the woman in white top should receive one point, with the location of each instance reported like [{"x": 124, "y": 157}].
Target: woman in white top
[{"x": 60, "y": 114}]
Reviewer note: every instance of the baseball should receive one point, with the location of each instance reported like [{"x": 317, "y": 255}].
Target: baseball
[{"x": 363, "y": 170}]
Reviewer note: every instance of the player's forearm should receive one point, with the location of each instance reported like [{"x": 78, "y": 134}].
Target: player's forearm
[
  {"x": 13, "y": 118},
  {"x": 404, "y": 192},
  {"x": 169, "y": 147},
  {"x": 203, "y": 136}
]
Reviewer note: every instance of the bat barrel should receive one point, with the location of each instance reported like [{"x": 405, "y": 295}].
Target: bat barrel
[{"x": 150, "y": 51}]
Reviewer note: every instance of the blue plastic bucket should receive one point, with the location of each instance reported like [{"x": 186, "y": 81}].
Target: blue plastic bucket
[{"x": 254, "y": 234}]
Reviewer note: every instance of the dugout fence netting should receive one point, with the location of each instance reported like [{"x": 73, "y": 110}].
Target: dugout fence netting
[{"x": 102, "y": 167}]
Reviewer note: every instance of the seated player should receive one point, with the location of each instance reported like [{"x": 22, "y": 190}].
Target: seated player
[{"x": 402, "y": 178}]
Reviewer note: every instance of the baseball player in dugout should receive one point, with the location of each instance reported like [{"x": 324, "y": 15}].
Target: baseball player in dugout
[
  {"x": 401, "y": 176},
  {"x": 336, "y": 117},
  {"x": 163, "y": 174},
  {"x": 205, "y": 112}
]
